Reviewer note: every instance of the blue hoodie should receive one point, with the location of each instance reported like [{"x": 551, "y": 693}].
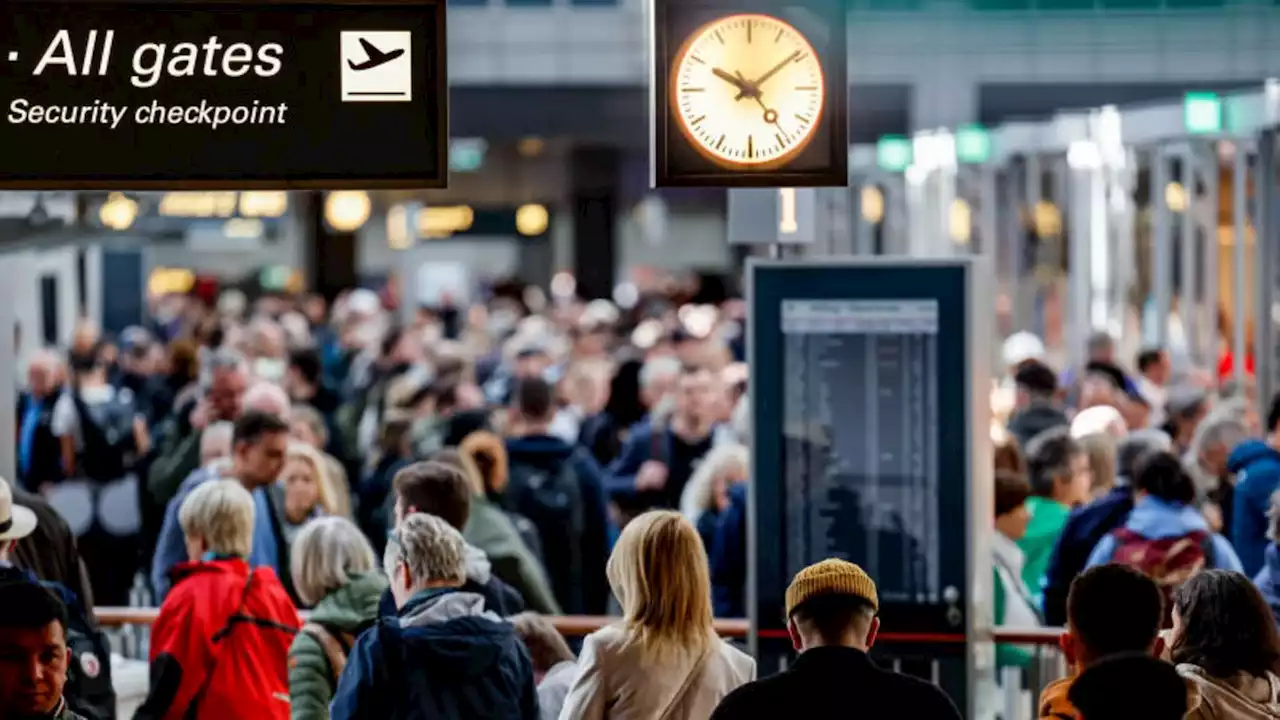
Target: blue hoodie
[
  {"x": 1153, "y": 518},
  {"x": 1257, "y": 469},
  {"x": 444, "y": 657}
]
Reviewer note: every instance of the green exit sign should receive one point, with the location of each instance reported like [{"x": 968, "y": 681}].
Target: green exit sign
[
  {"x": 1202, "y": 113},
  {"x": 893, "y": 153},
  {"x": 973, "y": 144}
]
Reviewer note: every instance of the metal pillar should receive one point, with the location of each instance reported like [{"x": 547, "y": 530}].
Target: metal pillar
[
  {"x": 1161, "y": 246},
  {"x": 1240, "y": 223},
  {"x": 1208, "y": 327},
  {"x": 1078, "y": 199},
  {"x": 1187, "y": 305},
  {"x": 988, "y": 212},
  {"x": 1265, "y": 261}
]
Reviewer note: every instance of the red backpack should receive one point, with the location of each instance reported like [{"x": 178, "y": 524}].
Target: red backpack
[
  {"x": 250, "y": 666},
  {"x": 1169, "y": 561}
]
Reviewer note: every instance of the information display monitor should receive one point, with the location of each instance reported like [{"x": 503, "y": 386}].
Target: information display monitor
[{"x": 871, "y": 443}]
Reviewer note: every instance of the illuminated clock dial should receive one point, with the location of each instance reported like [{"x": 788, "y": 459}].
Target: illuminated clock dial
[{"x": 747, "y": 91}]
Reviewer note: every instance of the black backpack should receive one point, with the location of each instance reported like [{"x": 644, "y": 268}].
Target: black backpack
[
  {"x": 88, "y": 691},
  {"x": 552, "y": 501},
  {"x": 107, "y": 433}
]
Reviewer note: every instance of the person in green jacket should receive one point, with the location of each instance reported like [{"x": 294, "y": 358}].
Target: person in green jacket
[
  {"x": 483, "y": 457},
  {"x": 1058, "y": 469},
  {"x": 333, "y": 569}
]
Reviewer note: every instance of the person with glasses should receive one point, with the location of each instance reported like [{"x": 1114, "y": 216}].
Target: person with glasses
[{"x": 444, "y": 655}]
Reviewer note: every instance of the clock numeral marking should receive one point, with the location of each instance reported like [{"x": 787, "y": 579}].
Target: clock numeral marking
[
  {"x": 800, "y": 57},
  {"x": 749, "y": 23},
  {"x": 781, "y": 32},
  {"x": 698, "y": 119},
  {"x": 719, "y": 37},
  {"x": 720, "y": 142},
  {"x": 781, "y": 142},
  {"x": 751, "y": 151},
  {"x": 689, "y": 90},
  {"x": 806, "y": 87},
  {"x": 803, "y": 119},
  {"x": 697, "y": 59}
]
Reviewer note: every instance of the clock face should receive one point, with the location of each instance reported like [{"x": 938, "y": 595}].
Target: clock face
[{"x": 747, "y": 91}]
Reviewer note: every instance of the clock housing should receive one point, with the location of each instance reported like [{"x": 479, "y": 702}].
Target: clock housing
[{"x": 769, "y": 80}]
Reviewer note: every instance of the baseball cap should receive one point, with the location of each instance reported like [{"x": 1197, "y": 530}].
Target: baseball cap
[{"x": 16, "y": 521}]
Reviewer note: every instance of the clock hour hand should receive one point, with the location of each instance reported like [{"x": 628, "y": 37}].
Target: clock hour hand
[
  {"x": 736, "y": 81},
  {"x": 754, "y": 87}
]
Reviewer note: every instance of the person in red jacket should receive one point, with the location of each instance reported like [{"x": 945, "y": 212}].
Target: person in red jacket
[{"x": 221, "y": 641}]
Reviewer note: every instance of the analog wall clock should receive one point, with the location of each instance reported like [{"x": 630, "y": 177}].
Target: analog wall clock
[{"x": 747, "y": 91}]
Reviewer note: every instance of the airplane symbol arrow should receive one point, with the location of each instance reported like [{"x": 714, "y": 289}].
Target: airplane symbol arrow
[{"x": 376, "y": 57}]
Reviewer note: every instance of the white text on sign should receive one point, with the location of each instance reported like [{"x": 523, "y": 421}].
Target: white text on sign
[{"x": 153, "y": 61}]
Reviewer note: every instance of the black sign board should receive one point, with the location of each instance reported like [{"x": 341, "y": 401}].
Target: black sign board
[
  {"x": 749, "y": 93},
  {"x": 223, "y": 94},
  {"x": 869, "y": 427}
]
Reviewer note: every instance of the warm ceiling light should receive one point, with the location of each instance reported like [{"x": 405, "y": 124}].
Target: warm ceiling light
[
  {"x": 532, "y": 220},
  {"x": 347, "y": 210},
  {"x": 118, "y": 212},
  {"x": 531, "y": 146},
  {"x": 872, "y": 205}
]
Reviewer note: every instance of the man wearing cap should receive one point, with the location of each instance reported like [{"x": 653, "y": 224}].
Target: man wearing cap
[{"x": 831, "y": 617}]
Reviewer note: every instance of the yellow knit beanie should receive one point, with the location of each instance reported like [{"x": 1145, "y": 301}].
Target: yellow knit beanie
[{"x": 828, "y": 577}]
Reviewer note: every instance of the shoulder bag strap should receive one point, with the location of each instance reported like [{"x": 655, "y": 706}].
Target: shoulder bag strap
[
  {"x": 218, "y": 637},
  {"x": 332, "y": 647},
  {"x": 695, "y": 672}
]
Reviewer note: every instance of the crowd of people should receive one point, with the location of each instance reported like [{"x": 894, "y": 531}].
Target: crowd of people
[
  {"x": 1137, "y": 507},
  {"x": 431, "y": 489}
]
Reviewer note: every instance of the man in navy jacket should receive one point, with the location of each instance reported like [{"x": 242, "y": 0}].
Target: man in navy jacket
[{"x": 444, "y": 656}]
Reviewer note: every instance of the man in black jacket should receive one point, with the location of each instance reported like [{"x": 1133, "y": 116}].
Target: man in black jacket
[
  {"x": 439, "y": 489},
  {"x": 831, "y": 608}
]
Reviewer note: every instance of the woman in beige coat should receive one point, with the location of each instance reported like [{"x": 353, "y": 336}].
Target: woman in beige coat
[
  {"x": 1225, "y": 645},
  {"x": 663, "y": 661}
]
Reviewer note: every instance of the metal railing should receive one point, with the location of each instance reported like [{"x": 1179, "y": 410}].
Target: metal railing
[
  {"x": 580, "y": 625},
  {"x": 1012, "y": 694}
]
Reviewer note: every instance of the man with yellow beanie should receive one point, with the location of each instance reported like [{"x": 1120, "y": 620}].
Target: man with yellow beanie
[{"x": 831, "y": 616}]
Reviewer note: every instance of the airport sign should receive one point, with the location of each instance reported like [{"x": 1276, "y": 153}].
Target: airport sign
[{"x": 223, "y": 94}]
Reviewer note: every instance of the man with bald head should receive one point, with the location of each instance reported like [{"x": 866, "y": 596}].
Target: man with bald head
[
  {"x": 258, "y": 444},
  {"x": 39, "y": 451}
]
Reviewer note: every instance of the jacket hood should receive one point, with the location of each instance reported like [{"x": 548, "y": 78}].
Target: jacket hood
[
  {"x": 538, "y": 449},
  {"x": 1254, "y": 455},
  {"x": 184, "y": 570},
  {"x": 1154, "y": 518},
  {"x": 450, "y": 634},
  {"x": 1035, "y": 419},
  {"x": 1244, "y": 698},
  {"x": 479, "y": 569},
  {"x": 352, "y": 605}
]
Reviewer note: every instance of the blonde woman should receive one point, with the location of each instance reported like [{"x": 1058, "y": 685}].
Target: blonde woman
[
  {"x": 305, "y": 487},
  {"x": 706, "y": 495},
  {"x": 1101, "y": 449},
  {"x": 335, "y": 572},
  {"x": 663, "y": 661},
  {"x": 199, "y": 646}
]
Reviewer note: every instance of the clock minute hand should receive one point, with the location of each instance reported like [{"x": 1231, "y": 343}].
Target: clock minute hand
[
  {"x": 755, "y": 86},
  {"x": 743, "y": 88}
]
